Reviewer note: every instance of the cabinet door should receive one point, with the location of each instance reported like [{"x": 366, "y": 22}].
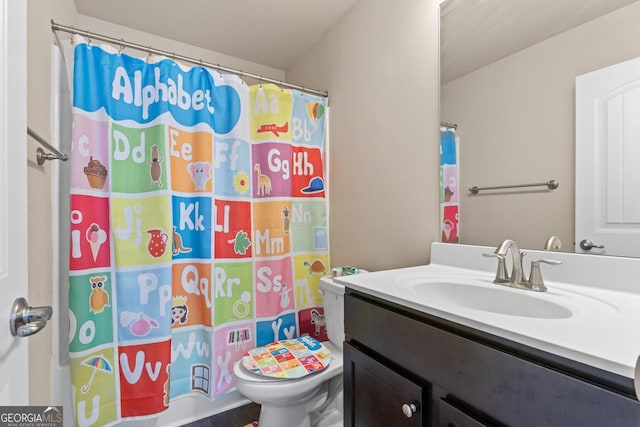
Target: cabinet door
[{"x": 376, "y": 395}]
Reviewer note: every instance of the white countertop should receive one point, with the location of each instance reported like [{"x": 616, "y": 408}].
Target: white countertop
[{"x": 602, "y": 294}]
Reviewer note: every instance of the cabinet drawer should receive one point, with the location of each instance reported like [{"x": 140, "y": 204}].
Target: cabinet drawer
[
  {"x": 376, "y": 395},
  {"x": 450, "y": 416}
]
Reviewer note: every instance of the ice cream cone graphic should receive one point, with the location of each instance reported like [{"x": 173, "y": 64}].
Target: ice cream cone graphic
[
  {"x": 96, "y": 237},
  {"x": 95, "y": 247}
]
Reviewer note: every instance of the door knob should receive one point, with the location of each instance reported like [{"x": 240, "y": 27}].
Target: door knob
[
  {"x": 25, "y": 320},
  {"x": 587, "y": 245}
]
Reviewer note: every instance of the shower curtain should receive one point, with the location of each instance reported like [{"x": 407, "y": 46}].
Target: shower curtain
[{"x": 198, "y": 228}]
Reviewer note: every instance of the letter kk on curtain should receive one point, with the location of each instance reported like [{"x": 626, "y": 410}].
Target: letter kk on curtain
[{"x": 198, "y": 228}]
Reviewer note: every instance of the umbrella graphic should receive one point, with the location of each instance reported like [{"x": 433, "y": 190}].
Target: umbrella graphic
[{"x": 98, "y": 363}]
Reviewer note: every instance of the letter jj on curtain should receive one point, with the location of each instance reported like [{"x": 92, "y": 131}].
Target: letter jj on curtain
[{"x": 198, "y": 228}]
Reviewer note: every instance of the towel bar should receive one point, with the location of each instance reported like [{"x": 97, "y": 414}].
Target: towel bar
[
  {"x": 41, "y": 156},
  {"x": 551, "y": 185}
]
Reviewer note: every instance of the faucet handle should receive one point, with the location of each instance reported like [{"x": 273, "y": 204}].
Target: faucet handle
[
  {"x": 546, "y": 261},
  {"x": 553, "y": 243},
  {"x": 501, "y": 272},
  {"x": 535, "y": 277}
]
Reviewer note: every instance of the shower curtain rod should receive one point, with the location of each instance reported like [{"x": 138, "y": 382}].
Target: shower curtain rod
[
  {"x": 123, "y": 43},
  {"x": 449, "y": 125}
]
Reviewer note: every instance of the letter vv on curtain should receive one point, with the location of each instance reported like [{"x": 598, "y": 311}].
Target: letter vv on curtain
[{"x": 198, "y": 229}]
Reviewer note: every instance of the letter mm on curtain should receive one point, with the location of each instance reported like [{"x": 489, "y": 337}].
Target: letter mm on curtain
[{"x": 198, "y": 229}]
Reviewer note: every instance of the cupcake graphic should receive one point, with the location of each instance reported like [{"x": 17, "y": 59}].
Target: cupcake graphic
[
  {"x": 96, "y": 173},
  {"x": 448, "y": 194}
]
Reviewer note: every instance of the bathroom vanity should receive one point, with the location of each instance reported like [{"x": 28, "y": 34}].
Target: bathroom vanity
[{"x": 436, "y": 358}]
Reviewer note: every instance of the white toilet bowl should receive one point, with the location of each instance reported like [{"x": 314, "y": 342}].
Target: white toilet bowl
[
  {"x": 289, "y": 402},
  {"x": 314, "y": 400}
]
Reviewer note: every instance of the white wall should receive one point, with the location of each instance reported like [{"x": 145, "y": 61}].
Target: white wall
[
  {"x": 517, "y": 125},
  {"x": 146, "y": 39},
  {"x": 380, "y": 65}
]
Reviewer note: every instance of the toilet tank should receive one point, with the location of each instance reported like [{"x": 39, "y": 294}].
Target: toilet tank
[{"x": 333, "y": 302}]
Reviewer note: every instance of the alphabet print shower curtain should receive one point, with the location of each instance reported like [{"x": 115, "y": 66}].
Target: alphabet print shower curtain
[{"x": 198, "y": 229}]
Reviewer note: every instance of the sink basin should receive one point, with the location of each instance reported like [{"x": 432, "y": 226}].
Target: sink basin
[{"x": 489, "y": 298}]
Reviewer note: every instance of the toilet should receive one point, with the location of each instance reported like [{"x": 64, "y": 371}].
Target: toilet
[{"x": 314, "y": 400}]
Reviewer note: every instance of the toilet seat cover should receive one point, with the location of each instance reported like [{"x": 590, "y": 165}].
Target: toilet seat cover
[{"x": 293, "y": 358}]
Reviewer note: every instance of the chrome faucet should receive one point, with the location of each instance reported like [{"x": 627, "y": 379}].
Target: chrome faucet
[
  {"x": 517, "y": 275},
  {"x": 517, "y": 278}
]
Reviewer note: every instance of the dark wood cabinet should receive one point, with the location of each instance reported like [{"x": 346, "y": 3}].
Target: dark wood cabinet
[
  {"x": 461, "y": 377},
  {"x": 377, "y": 395}
]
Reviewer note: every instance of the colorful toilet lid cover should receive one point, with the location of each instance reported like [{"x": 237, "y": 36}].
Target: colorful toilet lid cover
[{"x": 287, "y": 359}]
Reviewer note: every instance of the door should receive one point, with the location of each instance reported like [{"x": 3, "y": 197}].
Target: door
[
  {"x": 377, "y": 396},
  {"x": 14, "y": 378},
  {"x": 608, "y": 161}
]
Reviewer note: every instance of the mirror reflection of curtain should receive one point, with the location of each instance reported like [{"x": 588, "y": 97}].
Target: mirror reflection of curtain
[
  {"x": 198, "y": 228},
  {"x": 449, "y": 192}
]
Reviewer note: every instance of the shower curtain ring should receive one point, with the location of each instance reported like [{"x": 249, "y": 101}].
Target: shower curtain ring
[{"x": 121, "y": 46}]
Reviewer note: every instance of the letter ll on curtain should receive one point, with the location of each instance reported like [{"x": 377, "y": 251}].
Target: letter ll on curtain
[{"x": 198, "y": 229}]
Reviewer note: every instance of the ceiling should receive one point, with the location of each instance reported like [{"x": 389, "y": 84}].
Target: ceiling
[
  {"x": 273, "y": 32},
  {"x": 474, "y": 33}
]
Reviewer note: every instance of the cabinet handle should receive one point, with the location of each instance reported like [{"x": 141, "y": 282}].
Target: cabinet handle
[{"x": 408, "y": 409}]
